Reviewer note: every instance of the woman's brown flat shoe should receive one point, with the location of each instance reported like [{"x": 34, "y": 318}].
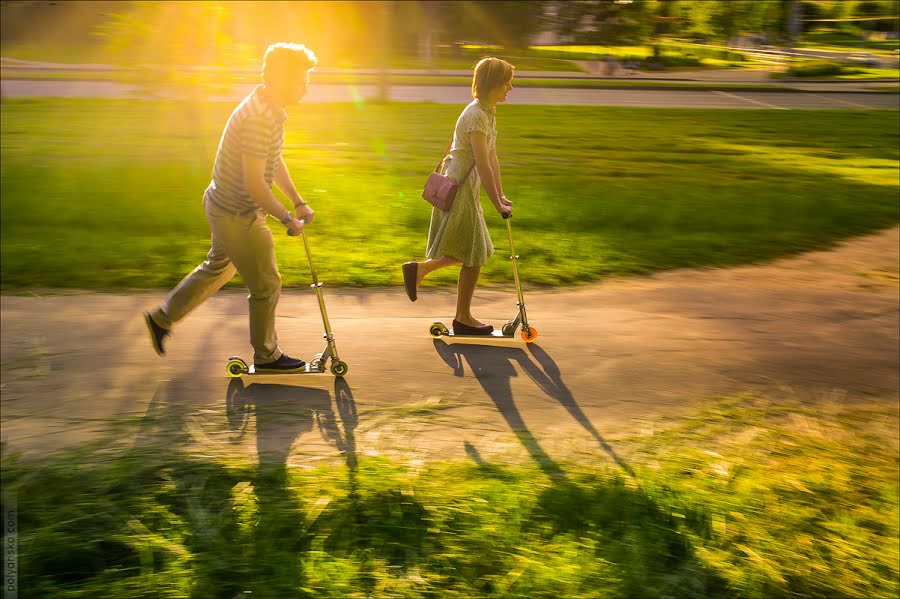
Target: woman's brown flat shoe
[
  {"x": 410, "y": 270},
  {"x": 464, "y": 329}
]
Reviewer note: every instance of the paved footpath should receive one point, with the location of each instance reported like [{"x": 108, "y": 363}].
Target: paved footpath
[
  {"x": 457, "y": 94},
  {"x": 613, "y": 359},
  {"x": 809, "y": 95}
]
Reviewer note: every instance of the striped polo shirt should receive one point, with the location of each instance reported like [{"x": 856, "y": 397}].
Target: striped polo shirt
[{"x": 256, "y": 127}]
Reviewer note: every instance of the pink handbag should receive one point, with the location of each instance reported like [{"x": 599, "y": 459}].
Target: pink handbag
[{"x": 440, "y": 190}]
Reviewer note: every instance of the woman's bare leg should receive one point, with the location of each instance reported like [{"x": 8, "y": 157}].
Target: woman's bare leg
[
  {"x": 468, "y": 277},
  {"x": 432, "y": 265}
]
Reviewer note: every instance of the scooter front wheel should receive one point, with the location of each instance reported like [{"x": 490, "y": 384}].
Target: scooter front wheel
[
  {"x": 339, "y": 368},
  {"x": 529, "y": 334},
  {"x": 236, "y": 367}
]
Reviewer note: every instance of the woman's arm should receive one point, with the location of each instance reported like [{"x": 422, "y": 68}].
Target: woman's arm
[
  {"x": 495, "y": 168},
  {"x": 485, "y": 170}
]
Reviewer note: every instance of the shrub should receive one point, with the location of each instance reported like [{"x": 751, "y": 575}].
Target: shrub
[{"x": 820, "y": 69}]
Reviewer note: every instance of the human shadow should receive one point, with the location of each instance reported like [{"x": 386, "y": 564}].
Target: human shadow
[
  {"x": 249, "y": 528},
  {"x": 549, "y": 379},
  {"x": 282, "y": 414},
  {"x": 493, "y": 368},
  {"x": 640, "y": 535},
  {"x": 375, "y": 522}
]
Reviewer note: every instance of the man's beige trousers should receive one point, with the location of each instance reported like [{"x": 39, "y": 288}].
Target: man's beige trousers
[{"x": 243, "y": 243}]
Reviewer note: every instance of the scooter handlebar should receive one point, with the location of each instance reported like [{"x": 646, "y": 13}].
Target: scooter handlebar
[
  {"x": 291, "y": 233},
  {"x": 505, "y": 215}
]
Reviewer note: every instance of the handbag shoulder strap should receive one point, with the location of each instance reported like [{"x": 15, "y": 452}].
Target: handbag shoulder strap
[
  {"x": 447, "y": 151},
  {"x": 441, "y": 161}
]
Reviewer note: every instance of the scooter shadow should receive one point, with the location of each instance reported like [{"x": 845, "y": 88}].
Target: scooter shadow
[
  {"x": 284, "y": 412},
  {"x": 493, "y": 368}
]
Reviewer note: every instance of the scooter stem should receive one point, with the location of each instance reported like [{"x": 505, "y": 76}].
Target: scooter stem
[
  {"x": 318, "y": 288},
  {"x": 515, "y": 269}
]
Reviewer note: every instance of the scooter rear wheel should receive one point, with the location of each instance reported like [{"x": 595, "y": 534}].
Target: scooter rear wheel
[{"x": 529, "y": 334}]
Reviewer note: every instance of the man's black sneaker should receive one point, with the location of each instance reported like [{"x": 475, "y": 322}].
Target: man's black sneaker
[
  {"x": 157, "y": 334},
  {"x": 284, "y": 364}
]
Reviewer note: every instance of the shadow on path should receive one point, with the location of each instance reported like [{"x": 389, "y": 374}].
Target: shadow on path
[
  {"x": 493, "y": 368},
  {"x": 639, "y": 537},
  {"x": 249, "y": 529}
]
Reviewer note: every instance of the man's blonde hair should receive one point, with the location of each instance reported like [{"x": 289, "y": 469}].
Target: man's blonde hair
[
  {"x": 283, "y": 60},
  {"x": 490, "y": 73}
]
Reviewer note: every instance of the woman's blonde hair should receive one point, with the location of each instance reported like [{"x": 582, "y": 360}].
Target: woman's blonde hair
[
  {"x": 285, "y": 61},
  {"x": 490, "y": 73}
]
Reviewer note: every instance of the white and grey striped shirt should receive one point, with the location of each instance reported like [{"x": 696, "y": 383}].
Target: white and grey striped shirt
[{"x": 256, "y": 127}]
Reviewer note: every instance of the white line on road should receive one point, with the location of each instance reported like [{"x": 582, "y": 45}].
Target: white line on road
[
  {"x": 846, "y": 102},
  {"x": 752, "y": 100}
]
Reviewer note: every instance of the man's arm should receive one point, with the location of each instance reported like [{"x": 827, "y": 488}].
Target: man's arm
[
  {"x": 255, "y": 182},
  {"x": 284, "y": 182}
]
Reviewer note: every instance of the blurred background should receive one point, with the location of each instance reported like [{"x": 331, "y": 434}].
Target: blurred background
[{"x": 541, "y": 35}]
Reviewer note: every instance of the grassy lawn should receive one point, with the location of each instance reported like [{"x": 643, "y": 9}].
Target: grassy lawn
[
  {"x": 872, "y": 73},
  {"x": 754, "y": 496},
  {"x": 885, "y": 49},
  {"x": 853, "y": 73},
  {"x": 707, "y": 56},
  {"x": 645, "y": 51},
  {"x": 106, "y": 193},
  {"x": 847, "y": 41}
]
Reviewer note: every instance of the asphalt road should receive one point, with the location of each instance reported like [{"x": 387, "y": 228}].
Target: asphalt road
[{"x": 800, "y": 100}]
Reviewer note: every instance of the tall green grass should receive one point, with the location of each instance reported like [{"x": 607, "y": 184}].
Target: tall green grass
[
  {"x": 754, "y": 496},
  {"x": 106, "y": 193}
]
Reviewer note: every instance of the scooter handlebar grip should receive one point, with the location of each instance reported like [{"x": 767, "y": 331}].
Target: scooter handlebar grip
[
  {"x": 505, "y": 215},
  {"x": 291, "y": 233}
]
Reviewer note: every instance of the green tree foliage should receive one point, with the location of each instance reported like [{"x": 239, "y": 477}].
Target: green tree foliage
[
  {"x": 878, "y": 8},
  {"x": 506, "y": 23},
  {"x": 603, "y": 21},
  {"x": 160, "y": 39},
  {"x": 171, "y": 33},
  {"x": 720, "y": 20},
  {"x": 40, "y": 21}
]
